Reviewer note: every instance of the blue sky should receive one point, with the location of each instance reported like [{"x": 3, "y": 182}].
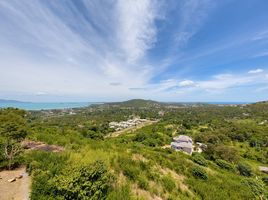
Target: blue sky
[{"x": 112, "y": 50}]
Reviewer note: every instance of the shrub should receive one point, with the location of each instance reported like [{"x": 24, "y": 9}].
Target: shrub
[
  {"x": 168, "y": 183},
  {"x": 85, "y": 182},
  {"x": 244, "y": 169},
  {"x": 224, "y": 164},
  {"x": 265, "y": 180},
  {"x": 226, "y": 153},
  {"x": 256, "y": 187},
  {"x": 198, "y": 172},
  {"x": 199, "y": 159}
]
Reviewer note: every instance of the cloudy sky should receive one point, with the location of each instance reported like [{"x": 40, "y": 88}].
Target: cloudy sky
[{"x": 111, "y": 50}]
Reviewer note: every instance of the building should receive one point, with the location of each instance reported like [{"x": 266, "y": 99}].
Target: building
[
  {"x": 182, "y": 143},
  {"x": 126, "y": 124},
  {"x": 263, "y": 169}
]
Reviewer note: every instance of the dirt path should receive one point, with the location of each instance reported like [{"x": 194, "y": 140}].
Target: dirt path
[
  {"x": 117, "y": 133},
  {"x": 17, "y": 190}
]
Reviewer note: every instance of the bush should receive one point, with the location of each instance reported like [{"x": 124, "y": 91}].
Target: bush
[
  {"x": 255, "y": 187},
  {"x": 168, "y": 183},
  {"x": 265, "y": 180},
  {"x": 224, "y": 164},
  {"x": 198, "y": 172},
  {"x": 244, "y": 169},
  {"x": 226, "y": 153},
  {"x": 199, "y": 159},
  {"x": 85, "y": 182}
]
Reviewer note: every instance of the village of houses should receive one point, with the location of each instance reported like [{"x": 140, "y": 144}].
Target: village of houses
[{"x": 180, "y": 143}]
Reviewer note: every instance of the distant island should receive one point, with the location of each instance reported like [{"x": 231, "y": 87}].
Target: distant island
[{"x": 11, "y": 101}]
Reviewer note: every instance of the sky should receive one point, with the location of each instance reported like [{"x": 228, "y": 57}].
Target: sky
[{"x": 114, "y": 50}]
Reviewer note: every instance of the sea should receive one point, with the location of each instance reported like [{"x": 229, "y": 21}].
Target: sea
[
  {"x": 66, "y": 105},
  {"x": 45, "y": 106}
]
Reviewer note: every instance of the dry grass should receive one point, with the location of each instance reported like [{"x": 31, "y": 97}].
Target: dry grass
[
  {"x": 139, "y": 157},
  {"x": 143, "y": 193},
  {"x": 178, "y": 178}
]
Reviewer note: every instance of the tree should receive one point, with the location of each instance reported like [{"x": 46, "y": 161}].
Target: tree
[
  {"x": 12, "y": 132},
  {"x": 12, "y": 135}
]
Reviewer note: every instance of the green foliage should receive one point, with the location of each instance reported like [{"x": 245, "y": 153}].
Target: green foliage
[
  {"x": 120, "y": 193},
  {"x": 129, "y": 168},
  {"x": 168, "y": 183},
  {"x": 224, "y": 164},
  {"x": 84, "y": 182},
  {"x": 199, "y": 159},
  {"x": 12, "y": 132},
  {"x": 143, "y": 183},
  {"x": 256, "y": 187},
  {"x": 244, "y": 169},
  {"x": 221, "y": 152},
  {"x": 152, "y": 139},
  {"x": 265, "y": 180},
  {"x": 229, "y": 135},
  {"x": 43, "y": 166},
  {"x": 198, "y": 172}
]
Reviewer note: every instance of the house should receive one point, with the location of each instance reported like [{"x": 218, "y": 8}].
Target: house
[
  {"x": 183, "y": 138},
  {"x": 182, "y": 143},
  {"x": 263, "y": 169}
]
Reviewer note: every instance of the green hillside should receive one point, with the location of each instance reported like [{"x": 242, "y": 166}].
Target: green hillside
[
  {"x": 139, "y": 164},
  {"x": 137, "y": 103}
]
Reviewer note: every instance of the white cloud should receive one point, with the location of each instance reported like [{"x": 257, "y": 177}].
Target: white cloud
[
  {"x": 74, "y": 52},
  {"x": 262, "y": 54},
  {"x": 186, "y": 83},
  {"x": 224, "y": 81},
  {"x": 261, "y": 35},
  {"x": 137, "y": 29},
  {"x": 255, "y": 71},
  {"x": 192, "y": 16}
]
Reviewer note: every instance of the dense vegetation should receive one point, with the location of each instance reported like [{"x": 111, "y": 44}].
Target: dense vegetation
[{"x": 138, "y": 164}]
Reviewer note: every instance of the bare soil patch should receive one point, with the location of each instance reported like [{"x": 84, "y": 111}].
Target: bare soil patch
[
  {"x": 33, "y": 145},
  {"x": 18, "y": 189}
]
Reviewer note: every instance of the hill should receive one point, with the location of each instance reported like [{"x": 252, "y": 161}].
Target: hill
[
  {"x": 137, "y": 103},
  {"x": 9, "y": 101}
]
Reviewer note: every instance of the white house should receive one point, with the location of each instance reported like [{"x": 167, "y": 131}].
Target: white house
[{"x": 182, "y": 143}]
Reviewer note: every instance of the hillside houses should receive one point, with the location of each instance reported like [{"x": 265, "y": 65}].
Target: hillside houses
[
  {"x": 183, "y": 143},
  {"x": 126, "y": 124}
]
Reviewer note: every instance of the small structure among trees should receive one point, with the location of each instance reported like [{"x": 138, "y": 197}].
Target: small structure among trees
[
  {"x": 183, "y": 143},
  {"x": 263, "y": 169}
]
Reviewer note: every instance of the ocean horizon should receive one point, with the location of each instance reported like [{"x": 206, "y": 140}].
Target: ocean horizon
[
  {"x": 69, "y": 105},
  {"x": 45, "y": 105}
]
